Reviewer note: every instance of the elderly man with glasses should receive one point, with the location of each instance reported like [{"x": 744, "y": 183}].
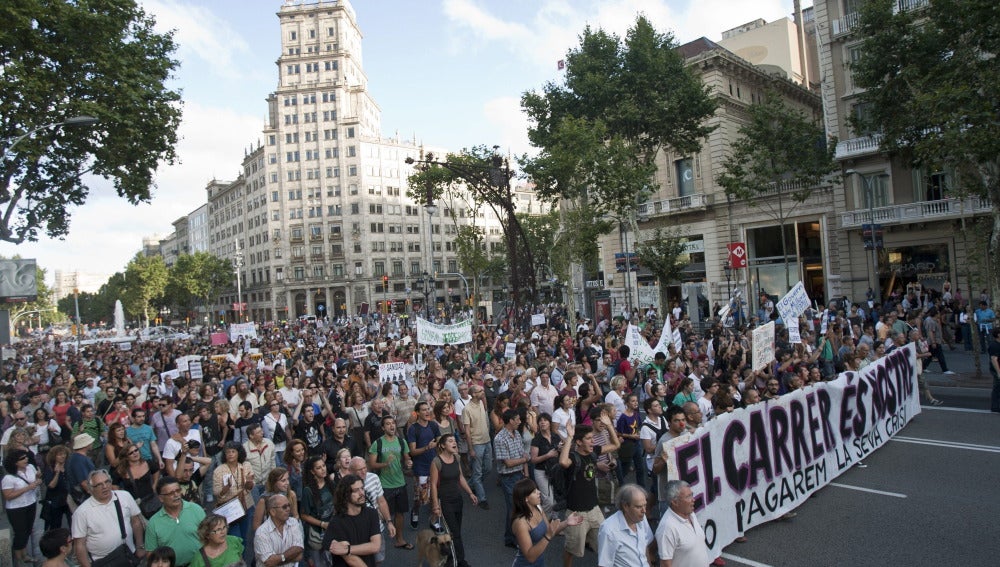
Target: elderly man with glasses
[
  {"x": 176, "y": 524},
  {"x": 106, "y": 522},
  {"x": 278, "y": 541}
]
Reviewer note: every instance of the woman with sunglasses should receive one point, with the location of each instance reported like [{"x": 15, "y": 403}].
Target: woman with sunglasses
[
  {"x": 20, "y": 494},
  {"x": 117, "y": 439},
  {"x": 134, "y": 475}
]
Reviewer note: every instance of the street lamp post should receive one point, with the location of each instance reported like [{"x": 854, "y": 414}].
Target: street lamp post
[
  {"x": 9, "y": 143},
  {"x": 237, "y": 264},
  {"x": 628, "y": 270},
  {"x": 431, "y": 208},
  {"x": 870, "y": 194}
]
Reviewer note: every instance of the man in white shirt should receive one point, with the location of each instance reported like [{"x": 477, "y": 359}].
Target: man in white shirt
[
  {"x": 680, "y": 538},
  {"x": 544, "y": 395},
  {"x": 179, "y": 442},
  {"x": 97, "y": 530},
  {"x": 279, "y": 538}
]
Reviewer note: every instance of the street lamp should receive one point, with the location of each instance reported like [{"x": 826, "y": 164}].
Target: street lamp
[
  {"x": 870, "y": 194},
  {"x": 82, "y": 120},
  {"x": 237, "y": 264}
]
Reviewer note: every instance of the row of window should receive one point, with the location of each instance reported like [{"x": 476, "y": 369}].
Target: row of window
[{"x": 296, "y": 68}]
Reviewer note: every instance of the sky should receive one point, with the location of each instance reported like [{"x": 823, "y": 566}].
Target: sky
[{"x": 448, "y": 73}]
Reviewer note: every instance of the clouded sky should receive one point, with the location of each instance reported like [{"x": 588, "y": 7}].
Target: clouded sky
[{"x": 448, "y": 72}]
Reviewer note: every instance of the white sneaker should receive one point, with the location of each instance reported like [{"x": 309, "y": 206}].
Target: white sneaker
[{"x": 949, "y": 372}]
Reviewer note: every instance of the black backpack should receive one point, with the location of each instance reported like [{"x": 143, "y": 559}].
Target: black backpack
[{"x": 560, "y": 480}]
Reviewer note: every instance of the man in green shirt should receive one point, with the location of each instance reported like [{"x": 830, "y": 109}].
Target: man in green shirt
[
  {"x": 386, "y": 457},
  {"x": 176, "y": 524}
]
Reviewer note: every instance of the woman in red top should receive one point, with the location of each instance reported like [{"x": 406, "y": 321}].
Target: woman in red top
[{"x": 60, "y": 409}]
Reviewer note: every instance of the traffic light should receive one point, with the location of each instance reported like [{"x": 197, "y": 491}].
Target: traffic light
[{"x": 385, "y": 279}]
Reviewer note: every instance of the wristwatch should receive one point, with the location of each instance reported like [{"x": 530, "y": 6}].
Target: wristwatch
[{"x": 282, "y": 558}]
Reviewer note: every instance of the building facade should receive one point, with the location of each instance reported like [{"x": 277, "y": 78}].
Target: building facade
[
  {"x": 320, "y": 219},
  {"x": 917, "y": 226},
  {"x": 689, "y": 199}
]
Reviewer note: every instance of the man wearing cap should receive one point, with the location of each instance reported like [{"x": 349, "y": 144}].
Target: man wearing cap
[{"x": 78, "y": 466}]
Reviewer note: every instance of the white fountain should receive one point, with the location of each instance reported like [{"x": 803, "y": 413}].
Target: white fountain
[{"x": 119, "y": 319}]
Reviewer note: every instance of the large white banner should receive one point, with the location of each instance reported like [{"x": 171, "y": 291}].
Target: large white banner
[
  {"x": 793, "y": 303},
  {"x": 639, "y": 350},
  {"x": 763, "y": 346},
  {"x": 430, "y": 334},
  {"x": 754, "y": 465}
]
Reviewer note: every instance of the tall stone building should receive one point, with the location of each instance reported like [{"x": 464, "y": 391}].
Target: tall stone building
[
  {"x": 917, "y": 223},
  {"x": 319, "y": 218}
]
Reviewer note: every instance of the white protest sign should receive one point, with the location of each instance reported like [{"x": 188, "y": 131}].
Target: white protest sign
[
  {"x": 756, "y": 464},
  {"x": 430, "y": 334},
  {"x": 538, "y": 319},
  {"x": 763, "y": 345},
  {"x": 194, "y": 367},
  {"x": 184, "y": 361},
  {"x": 793, "y": 303},
  {"x": 359, "y": 351},
  {"x": 392, "y": 372},
  {"x": 125, "y": 346},
  {"x": 175, "y": 374},
  {"x": 246, "y": 330},
  {"x": 639, "y": 350},
  {"x": 793, "y": 333},
  {"x": 510, "y": 352},
  {"x": 362, "y": 335}
]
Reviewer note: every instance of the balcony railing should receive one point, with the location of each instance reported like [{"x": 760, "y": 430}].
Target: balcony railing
[
  {"x": 848, "y": 23},
  {"x": 675, "y": 205},
  {"x": 942, "y": 209},
  {"x": 844, "y": 25},
  {"x": 855, "y": 147}
]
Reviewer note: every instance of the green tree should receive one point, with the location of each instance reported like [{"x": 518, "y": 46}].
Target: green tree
[
  {"x": 777, "y": 162},
  {"x": 663, "y": 255},
  {"x": 145, "y": 283},
  {"x": 931, "y": 85},
  {"x": 197, "y": 276},
  {"x": 486, "y": 176},
  {"x": 622, "y": 103},
  {"x": 62, "y": 59}
]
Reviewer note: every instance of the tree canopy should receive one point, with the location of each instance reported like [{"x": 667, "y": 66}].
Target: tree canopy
[
  {"x": 662, "y": 255},
  {"x": 197, "y": 276},
  {"x": 932, "y": 91},
  {"x": 145, "y": 282},
  {"x": 780, "y": 152},
  {"x": 60, "y": 60},
  {"x": 622, "y": 102}
]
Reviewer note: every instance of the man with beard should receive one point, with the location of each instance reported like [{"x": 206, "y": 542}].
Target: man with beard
[{"x": 353, "y": 530}]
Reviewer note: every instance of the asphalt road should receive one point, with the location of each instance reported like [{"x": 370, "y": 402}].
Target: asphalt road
[{"x": 937, "y": 491}]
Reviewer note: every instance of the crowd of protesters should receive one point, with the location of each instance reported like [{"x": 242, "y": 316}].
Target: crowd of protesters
[{"x": 285, "y": 449}]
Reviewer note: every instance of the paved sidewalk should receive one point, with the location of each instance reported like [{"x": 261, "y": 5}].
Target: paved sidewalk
[{"x": 963, "y": 364}]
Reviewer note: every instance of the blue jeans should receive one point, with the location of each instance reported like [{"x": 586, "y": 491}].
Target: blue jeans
[
  {"x": 481, "y": 466},
  {"x": 507, "y": 482}
]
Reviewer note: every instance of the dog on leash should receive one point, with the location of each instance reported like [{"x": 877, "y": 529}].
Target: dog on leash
[{"x": 433, "y": 548}]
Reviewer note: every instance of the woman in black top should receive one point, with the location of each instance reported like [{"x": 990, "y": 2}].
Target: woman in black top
[
  {"x": 447, "y": 485},
  {"x": 545, "y": 457},
  {"x": 54, "y": 507}
]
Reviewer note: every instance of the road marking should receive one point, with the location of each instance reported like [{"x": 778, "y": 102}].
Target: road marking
[
  {"x": 744, "y": 560},
  {"x": 872, "y": 490},
  {"x": 964, "y": 410},
  {"x": 949, "y": 444}
]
